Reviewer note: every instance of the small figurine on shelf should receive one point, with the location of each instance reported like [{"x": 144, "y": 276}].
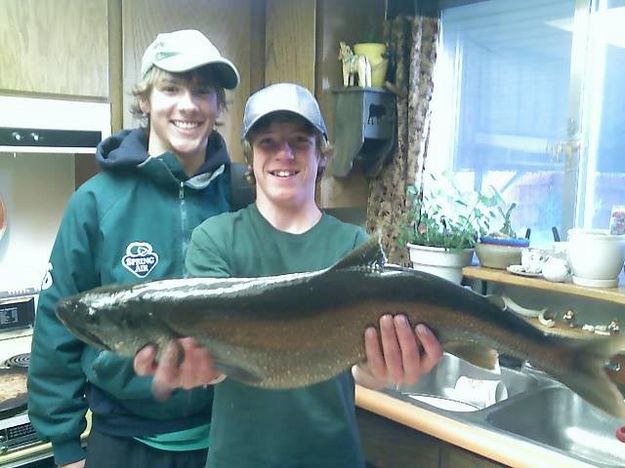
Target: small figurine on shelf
[
  {"x": 350, "y": 64},
  {"x": 364, "y": 71},
  {"x": 356, "y": 68}
]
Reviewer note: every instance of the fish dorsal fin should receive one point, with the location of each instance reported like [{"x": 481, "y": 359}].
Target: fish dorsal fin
[
  {"x": 478, "y": 355},
  {"x": 369, "y": 254}
]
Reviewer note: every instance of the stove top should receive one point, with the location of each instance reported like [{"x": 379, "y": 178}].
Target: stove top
[
  {"x": 15, "y": 343},
  {"x": 19, "y": 360}
]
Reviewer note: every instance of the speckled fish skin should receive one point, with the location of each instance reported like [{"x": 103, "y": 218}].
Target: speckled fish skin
[{"x": 298, "y": 329}]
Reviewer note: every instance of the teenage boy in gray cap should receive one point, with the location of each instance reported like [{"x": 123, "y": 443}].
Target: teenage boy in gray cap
[
  {"x": 285, "y": 142},
  {"x": 132, "y": 223}
]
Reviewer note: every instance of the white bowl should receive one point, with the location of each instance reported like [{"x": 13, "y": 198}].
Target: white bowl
[{"x": 595, "y": 256}]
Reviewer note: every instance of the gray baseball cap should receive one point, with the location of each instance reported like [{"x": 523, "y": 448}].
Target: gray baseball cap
[
  {"x": 282, "y": 97},
  {"x": 185, "y": 50}
]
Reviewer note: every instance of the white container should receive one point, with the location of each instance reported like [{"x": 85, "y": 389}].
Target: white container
[
  {"x": 555, "y": 269},
  {"x": 437, "y": 261},
  {"x": 596, "y": 257}
]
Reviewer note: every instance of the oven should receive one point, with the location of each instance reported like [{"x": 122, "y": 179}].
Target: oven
[
  {"x": 44, "y": 145},
  {"x": 19, "y": 444}
]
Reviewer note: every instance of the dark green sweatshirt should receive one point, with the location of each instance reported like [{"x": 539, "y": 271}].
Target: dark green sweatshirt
[{"x": 130, "y": 223}]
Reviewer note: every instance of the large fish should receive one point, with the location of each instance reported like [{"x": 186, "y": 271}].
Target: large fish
[{"x": 297, "y": 329}]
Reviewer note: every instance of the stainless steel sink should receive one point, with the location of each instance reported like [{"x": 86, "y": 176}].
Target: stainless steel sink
[
  {"x": 525, "y": 403},
  {"x": 457, "y": 386},
  {"x": 559, "y": 418}
]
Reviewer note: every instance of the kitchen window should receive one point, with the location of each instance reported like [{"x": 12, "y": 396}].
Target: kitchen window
[{"x": 529, "y": 98}]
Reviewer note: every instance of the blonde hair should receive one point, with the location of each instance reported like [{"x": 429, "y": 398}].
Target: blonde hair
[
  {"x": 325, "y": 150},
  {"x": 203, "y": 76}
]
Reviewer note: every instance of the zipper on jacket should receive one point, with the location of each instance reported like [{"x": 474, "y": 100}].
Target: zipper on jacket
[{"x": 183, "y": 223}]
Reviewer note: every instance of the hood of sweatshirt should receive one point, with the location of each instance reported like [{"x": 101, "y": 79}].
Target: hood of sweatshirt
[{"x": 127, "y": 149}]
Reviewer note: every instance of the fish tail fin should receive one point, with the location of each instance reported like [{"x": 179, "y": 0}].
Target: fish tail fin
[{"x": 589, "y": 378}]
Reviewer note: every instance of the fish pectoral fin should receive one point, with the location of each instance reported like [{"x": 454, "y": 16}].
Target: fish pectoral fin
[
  {"x": 478, "y": 355},
  {"x": 239, "y": 374}
]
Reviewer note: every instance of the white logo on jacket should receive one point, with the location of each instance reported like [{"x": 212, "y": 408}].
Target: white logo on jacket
[
  {"x": 47, "y": 278},
  {"x": 140, "y": 260}
]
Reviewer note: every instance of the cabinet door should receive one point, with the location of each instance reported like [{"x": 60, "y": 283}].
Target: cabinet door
[
  {"x": 54, "y": 47},
  {"x": 227, "y": 23},
  {"x": 290, "y": 42}
]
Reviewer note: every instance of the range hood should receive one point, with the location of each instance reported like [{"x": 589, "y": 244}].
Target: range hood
[{"x": 35, "y": 125}]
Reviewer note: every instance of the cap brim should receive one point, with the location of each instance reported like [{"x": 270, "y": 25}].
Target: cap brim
[
  {"x": 228, "y": 74},
  {"x": 278, "y": 109}
]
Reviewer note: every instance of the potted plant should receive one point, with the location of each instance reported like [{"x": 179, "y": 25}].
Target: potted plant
[
  {"x": 375, "y": 50},
  {"x": 442, "y": 227},
  {"x": 502, "y": 248}
]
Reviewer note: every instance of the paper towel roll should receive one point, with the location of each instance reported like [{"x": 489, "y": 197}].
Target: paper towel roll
[{"x": 481, "y": 393}]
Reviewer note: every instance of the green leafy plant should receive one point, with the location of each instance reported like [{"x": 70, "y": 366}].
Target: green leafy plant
[
  {"x": 373, "y": 33},
  {"x": 444, "y": 216},
  {"x": 504, "y": 211}
]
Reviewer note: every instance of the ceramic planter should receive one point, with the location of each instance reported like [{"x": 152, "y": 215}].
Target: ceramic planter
[
  {"x": 438, "y": 261},
  {"x": 379, "y": 65},
  {"x": 596, "y": 257},
  {"x": 499, "y": 252}
]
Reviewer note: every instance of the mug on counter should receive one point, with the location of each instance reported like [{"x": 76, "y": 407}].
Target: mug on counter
[{"x": 533, "y": 259}]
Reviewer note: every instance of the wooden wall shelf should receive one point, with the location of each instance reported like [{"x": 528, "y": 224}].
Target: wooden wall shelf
[{"x": 616, "y": 295}]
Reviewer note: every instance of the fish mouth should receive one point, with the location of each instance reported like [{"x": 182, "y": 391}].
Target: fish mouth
[
  {"x": 85, "y": 335},
  {"x": 91, "y": 339},
  {"x": 66, "y": 312}
]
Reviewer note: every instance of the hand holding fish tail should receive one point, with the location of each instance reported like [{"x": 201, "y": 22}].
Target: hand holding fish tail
[
  {"x": 400, "y": 356},
  {"x": 184, "y": 364}
]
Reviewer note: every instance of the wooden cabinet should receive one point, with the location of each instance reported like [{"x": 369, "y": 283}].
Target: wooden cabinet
[
  {"x": 55, "y": 47},
  {"x": 388, "y": 444},
  {"x": 290, "y": 42}
]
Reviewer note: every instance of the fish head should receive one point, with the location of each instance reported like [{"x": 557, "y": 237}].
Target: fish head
[{"x": 98, "y": 319}]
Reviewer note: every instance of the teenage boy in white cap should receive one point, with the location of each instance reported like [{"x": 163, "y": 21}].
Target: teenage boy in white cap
[
  {"x": 132, "y": 223},
  {"x": 285, "y": 142}
]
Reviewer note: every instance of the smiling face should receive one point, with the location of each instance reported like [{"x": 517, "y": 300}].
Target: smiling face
[
  {"x": 182, "y": 113},
  {"x": 285, "y": 163}
]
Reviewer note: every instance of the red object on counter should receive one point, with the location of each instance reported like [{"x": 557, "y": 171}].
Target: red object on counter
[{"x": 620, "y": 433}]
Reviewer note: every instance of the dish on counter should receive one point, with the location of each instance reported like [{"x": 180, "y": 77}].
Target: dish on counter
[{"x": 519, "y": 270}]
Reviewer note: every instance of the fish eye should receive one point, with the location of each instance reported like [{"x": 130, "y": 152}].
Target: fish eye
[{"x": 92, "y": 316}]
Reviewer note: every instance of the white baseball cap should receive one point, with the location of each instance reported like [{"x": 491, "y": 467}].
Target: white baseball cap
[
  {"x": 187, "y": 49},
  {"x": 283, "y": 97}
]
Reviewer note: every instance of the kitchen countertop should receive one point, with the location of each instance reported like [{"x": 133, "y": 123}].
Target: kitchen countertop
[{"x": 502, "y": 448}]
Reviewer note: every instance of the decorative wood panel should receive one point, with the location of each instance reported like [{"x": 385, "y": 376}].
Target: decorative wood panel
[
  {"x": 227, "y": 23},
  {"x": 290, "y": 42},
  {"x": 54, "y": 47}
]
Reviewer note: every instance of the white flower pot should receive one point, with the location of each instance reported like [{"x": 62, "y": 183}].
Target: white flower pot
[
  {"x": 596, "y": 257},
  {"x": 437, "y": 261}
]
